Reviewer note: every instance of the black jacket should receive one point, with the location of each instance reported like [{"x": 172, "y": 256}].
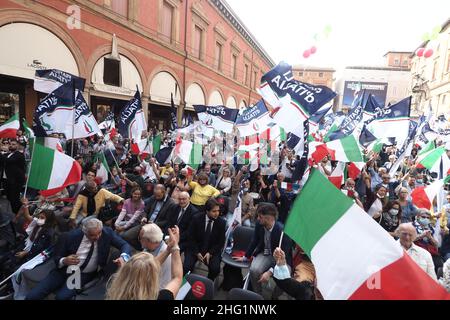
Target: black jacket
[
  {"x": 14, "y": 167},
  {"x": 196, "y": 234},
  {"x": 163, "y": 217},
  {"x": 44, "y": 239},
  {"x": 257, "y": 244},
  {"x": 185, "y": 221},
  {"x": 70, "y": 242}
]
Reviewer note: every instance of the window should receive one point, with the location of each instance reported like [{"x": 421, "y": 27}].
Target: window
[
  {"x": 119, "y": 6},
  {"x": 435, "y": 70},
  {"x": 448, "y": 61},
  {"x": 233, "y": 65},
  {"x": 255, "y": 75},
  {"x": 198, "y": 33},
  {"x": 111, "y": 72},
  {"x": 167, "y": 21},
  {"x": 405, "y": 62},
  {"x": 320, "y": 74},
  {"x": 443, "y": 99},
  {"x": 246, "y": 74},
  {"x": 396, "y": 62},
  {"x": 300, "y": 74},
  {"x": 218, "y": 57}
]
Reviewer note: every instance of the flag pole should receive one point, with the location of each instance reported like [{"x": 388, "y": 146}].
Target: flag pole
[
  {"x": 73, "y": 119},
  {"x": 29, "y": 169},
  {"x": 281, "y": 239}
]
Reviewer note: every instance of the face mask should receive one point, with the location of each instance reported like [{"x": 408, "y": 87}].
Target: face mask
[
  {"x": 245, "y": 190},
  {"x": 424, "y": 221},
  {"x": 393, "y": 212},
  {"x": 281, "y": 272},
  {"x": 419, "y": 181},
  {"x": 40, "y": 222},
  {"x": 182, "y": 176},
  {"x": 379, "y": 196}
]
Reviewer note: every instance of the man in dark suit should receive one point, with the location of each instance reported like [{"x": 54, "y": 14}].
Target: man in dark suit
[
  {"x": 14, "y": 164},
  {"x": 158, "y": 210},
  {"x": 182, "y": 217},
  {"x": 84, "y": 250},
  {"x": 266, "y": 239},
  {"x": 206, "y": 239}
]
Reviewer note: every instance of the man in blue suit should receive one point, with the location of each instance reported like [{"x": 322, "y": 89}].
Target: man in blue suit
[
  {"x": 87, "y": 249},
  {"x": 266, "y": 239}
]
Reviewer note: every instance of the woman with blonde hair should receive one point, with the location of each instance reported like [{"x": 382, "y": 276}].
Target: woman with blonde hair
[{"x": 138, "y": 279}]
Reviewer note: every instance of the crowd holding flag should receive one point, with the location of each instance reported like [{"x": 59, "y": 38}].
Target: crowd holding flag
[{"x": 293, "y": 116}]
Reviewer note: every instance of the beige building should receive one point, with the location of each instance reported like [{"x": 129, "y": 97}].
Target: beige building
[
  {"x": 314, "y": 75},
  {"x": 431, "y": 76},
  {"x": 398, "y": 59}
]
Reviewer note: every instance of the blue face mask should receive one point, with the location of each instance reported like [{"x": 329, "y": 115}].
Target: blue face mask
[
  {"x": 281, "y": 272},
  {"x": 424, "y": 221},
  {"x": 419, "y": 181}
]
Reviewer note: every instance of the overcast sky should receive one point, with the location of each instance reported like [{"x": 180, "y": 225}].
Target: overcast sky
[{"x": 362, "y": 31}]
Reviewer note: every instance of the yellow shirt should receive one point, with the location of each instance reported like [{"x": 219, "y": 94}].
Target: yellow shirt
[
  {"x": 166, "y": 171},
  {"x": 201, "y": 194}
]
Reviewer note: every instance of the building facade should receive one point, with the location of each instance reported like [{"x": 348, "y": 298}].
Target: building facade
[
  {"x": 398, "y": 59},
  {"x": 197, "y": 50},
  {"x": 388, "y": 84},
  {"x": 314, "y": 75},
  {"x": 430, "y": 84}
]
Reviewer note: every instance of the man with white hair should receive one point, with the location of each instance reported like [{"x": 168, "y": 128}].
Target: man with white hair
[
  {"x": 407, "y": 234},
  {"x": 84, "y": 250},
  {"x": 151, "y": 238}
]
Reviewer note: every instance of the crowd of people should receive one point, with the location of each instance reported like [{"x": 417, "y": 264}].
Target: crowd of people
[{"x": 164, "y": 219}]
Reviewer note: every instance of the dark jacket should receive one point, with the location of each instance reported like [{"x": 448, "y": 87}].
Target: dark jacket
[
  {"x": 14, "y": 167},
  {"x": 196, "y": 234},
  {"x": 185, "y": 221},
  {"x": 44, "y": 239},
  {"x": 70, "y": 242},
  {"x": 164, "y": 215},
  {"x": 257, "y": 245}
]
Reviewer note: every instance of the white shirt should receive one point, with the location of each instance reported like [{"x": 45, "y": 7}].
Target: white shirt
[
  {"x": 165, "y": 273},
  {"x": 423, "y": 258},
  {"x": 206, "y": 222},
  {"x": 82, "y": 253}
]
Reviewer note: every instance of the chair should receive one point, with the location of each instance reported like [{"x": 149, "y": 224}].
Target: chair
[
  {"x": 242, "y": 294},
  {"x": 242, "y": 236},
  {"x": 96, "y": 291},
  {"x": 37, "y": 274},
  {"x": 202, "y": 288}
]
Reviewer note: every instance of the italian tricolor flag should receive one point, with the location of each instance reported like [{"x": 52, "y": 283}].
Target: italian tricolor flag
[
  {"x": 431, "y": 159},
  {"x": 189, "y": 152},
  {"x": 346, "y": 149},
  {"x": 103, "y": 168},
  {"x": 353, "y": 256},
  {"x": 422, "y": 197},
  {"x": 51, "y": 169},
  {"x": 144, "y": 148},
  {"x": 184, "y": 289},
  {"x": 338, "y": 175},
  {"x": 10, "y": 127}
]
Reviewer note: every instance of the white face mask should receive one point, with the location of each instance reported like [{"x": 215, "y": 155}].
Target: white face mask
[
  {"x": 39, "y": 222},
  {"x": 393, "y": 212}
]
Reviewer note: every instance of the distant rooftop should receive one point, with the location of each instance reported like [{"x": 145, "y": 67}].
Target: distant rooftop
[
  {"x": 312, "y": 68},
  {"x": 408, "y": 52},
  {"x": 378, "y": 68}
]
